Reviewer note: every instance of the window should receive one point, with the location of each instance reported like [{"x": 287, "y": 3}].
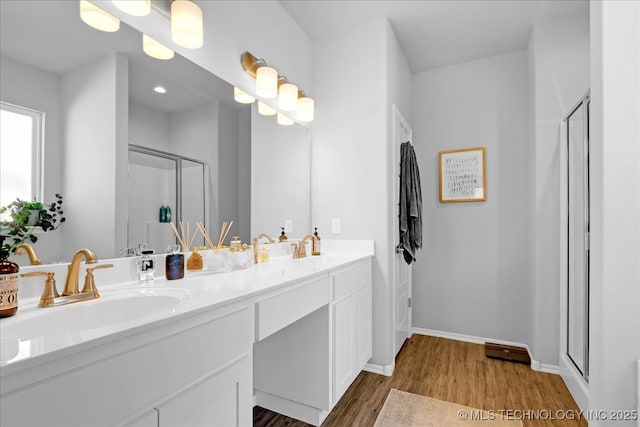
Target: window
[{"x": 21, "y": 148}]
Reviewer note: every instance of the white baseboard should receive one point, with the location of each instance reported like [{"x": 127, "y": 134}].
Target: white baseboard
[
  {"x": 386, "y": 370},
  {"x": 535, "y": 365}
]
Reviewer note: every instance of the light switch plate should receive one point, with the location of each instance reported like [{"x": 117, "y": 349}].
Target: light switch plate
[
  {"x": 288, "y": 226},
  {"x": 335, "y": 226}
]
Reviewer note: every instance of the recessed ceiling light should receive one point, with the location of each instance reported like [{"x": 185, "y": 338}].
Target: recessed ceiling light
[{"x": 159, "y": 89}]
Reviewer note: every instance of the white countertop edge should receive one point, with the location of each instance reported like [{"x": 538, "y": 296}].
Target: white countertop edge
[{"x": 192, "y": 308}]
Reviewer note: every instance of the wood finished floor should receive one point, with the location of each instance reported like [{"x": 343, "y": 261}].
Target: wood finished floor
[{"x": 448, "y": 370}]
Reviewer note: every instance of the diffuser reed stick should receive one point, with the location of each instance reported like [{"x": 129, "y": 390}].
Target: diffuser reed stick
[{"x": 205, "y": 234}]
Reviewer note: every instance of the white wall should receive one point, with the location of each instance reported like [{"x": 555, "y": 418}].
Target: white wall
[
  {"x": 472, "y": 275},
  {"x": 559, "y": 77},
  {"x": 93, "y": 101},
  {"x": 279, "y": 186},
  {"x": 30, "y": 87},
  {"x": 228, "y": 170},
  {"x": 148, "y": 127},
  {"x": 351, "y": 170},
  {"x": 615, "y": 191}
]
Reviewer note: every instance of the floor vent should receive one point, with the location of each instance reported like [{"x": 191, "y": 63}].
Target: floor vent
[{"x": 506, "y": 352}]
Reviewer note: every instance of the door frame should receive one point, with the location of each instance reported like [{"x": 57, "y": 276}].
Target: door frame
[{"x": 396, "y": 116}]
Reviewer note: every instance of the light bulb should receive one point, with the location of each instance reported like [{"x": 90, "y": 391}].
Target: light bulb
[
  {"x": 186, "y": 24},
  {"x": 241, "y": 96},
  {"x": 284, "y": 120},
  {"x": 306, "y": 109},
  {"x": 265, "y": 109},
  {"x": 288, "y": 97},
  {"x": 97, "y": 18},
  {"x": 155, "y": 49},
  {"x": 266, "y": 82}
]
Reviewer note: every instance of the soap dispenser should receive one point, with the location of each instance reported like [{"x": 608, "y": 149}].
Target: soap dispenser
[
  {"x": 8, "y": 283},
  {"x": 283, "y": 237},
  {"x": 315, "y": 243}
]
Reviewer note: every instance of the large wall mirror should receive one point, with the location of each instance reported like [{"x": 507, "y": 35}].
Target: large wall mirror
[{"x": 96, "y": 92}]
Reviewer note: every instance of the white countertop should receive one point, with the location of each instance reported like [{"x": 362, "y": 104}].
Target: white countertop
[{"x": 36, "y": 335}]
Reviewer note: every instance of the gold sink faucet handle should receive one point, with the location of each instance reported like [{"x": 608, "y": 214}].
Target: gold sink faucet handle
[
  {"x": 50, "y": 292},
  {"x": 89, "y": 281}
]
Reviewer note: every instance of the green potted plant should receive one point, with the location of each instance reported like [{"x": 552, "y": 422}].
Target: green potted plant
[{"x": 20, "y": 223}]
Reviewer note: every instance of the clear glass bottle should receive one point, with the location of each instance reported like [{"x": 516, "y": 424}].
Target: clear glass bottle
[
  {"x": 8, "y": 283},
  {"x": 146, "y": 266}
]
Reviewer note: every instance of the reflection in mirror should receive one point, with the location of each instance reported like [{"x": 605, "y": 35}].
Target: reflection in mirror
[
  {"x": 94, "y": 89},
  {"x": 164, "y": 188}
]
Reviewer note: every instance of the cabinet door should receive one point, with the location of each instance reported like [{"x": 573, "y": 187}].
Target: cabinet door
[
  {"x": 344, "y": 345},
  {"x": 364, "y": 323},
  {"x": 222, "y": 399}
]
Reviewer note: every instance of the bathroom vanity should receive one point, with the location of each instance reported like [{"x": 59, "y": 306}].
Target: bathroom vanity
[{"x": 289, "y": 335}]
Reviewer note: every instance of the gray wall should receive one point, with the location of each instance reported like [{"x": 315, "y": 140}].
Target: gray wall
[{"x": 472, "y": 276}]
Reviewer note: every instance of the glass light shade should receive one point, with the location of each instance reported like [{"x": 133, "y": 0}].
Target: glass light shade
[
  {"x": 288, "y": 97},
  {"x": 186, "y": 24},
  {"x": 265, "y": 110},
  {"x": 284, "y": 120},
  {"x": 266, "y": 82},
  {"x": 155, "y": 49},
  {"x": 97, "y": 18},
  {"x": 306, "y": 109},
  {"x": 241, "y": 96},
  {"x": 134, "y": 7}
]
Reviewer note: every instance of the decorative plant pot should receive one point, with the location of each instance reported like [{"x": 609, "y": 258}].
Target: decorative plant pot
[{"x": 34, "y": 217}]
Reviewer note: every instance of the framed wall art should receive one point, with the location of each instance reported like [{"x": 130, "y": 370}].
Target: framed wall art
[{"x": 462, "y": 175}]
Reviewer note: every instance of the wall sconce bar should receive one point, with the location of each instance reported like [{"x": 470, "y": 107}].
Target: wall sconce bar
[{"x": 291, "y": 98}]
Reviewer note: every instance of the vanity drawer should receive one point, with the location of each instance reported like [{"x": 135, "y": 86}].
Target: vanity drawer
[
  {"x": 348, "y": 281},
  {"x": 281, "y": 310}
]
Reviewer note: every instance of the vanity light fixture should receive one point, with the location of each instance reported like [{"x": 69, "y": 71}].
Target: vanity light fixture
[
  {"x": 97, "y": 18},
  {"x": 284, "y": 120},
  {"x": 290, "y": 98},
  {"x": 155, "y": 49},
  {"x": 306, "y": 108},
  {"x": 134, "y": 7},
  {"x": 265, "y": 109},
  {"x": 186, "y": 24},
  {"x": 160, "y": 89},
  {"x": 242, "y": 97}
]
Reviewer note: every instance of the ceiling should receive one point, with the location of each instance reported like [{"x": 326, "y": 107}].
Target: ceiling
[
  {"x": 437, "y": 33},
  {"x": 54, "y": 38}
]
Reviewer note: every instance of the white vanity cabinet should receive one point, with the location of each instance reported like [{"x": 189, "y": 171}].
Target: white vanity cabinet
[
  {"x": 193, "y": 372},
  {"x": 352, "y": 325},
  {"x": 303, "y": 368},
  {"x": 288, "y": 336}
]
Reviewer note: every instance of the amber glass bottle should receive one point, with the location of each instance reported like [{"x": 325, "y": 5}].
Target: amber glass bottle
[{"x": 8, "y": 283}]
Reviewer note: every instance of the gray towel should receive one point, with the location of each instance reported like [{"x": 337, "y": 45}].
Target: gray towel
[{"x": 410, "y": 203}]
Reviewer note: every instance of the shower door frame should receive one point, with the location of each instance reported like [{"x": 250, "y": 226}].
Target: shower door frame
[
  {"x": 177, "y": 217},
  {"x": 583, "y": 370}
]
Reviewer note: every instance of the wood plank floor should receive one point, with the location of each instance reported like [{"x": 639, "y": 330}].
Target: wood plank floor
[{"x": 454, "y": 371}]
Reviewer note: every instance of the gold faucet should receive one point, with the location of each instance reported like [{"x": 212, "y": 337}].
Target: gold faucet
[
  {"x": 71, "y": 284},
  {"x": 269, "y": 238},
  {"x": 50, "y": 296},
  {"x": 28, "y": 249},
  {"x": 255, "y": 245},
  {"x": 299, "y": 250}
]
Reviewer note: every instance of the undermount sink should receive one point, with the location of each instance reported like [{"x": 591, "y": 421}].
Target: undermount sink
[{"x": 84, "y": 320}]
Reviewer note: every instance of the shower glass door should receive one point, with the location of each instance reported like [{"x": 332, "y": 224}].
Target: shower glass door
[
  {"x": 158, "y": 178},
  {"x": 578, "y": 238}
]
